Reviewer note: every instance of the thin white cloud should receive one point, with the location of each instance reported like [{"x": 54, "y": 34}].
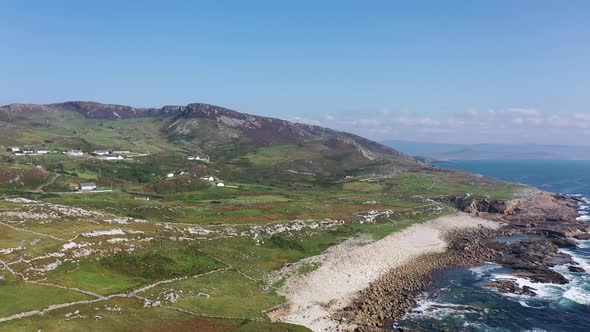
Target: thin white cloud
[{"x": 524, "y": 112}]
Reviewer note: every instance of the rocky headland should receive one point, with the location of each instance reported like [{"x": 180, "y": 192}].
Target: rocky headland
[
  {"x": 546, "y": 222},
  {"x": 365, "y": 272}
]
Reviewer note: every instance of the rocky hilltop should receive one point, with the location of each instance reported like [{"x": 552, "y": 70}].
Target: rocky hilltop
[{"x": 259, "y": 129}]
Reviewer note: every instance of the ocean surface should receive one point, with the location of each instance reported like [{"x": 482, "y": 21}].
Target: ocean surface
[{"x": 458, "y": 301}]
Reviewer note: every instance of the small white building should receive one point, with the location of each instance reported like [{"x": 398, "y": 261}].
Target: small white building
[
  {"x": 87, "y": 186},
  {"x": 170, "y": 175},
  {"x": 194, "y": 158},
  {"x": 120, "y": 152},
  {"x": 220, "y": 184},
  {"x": 74, "y": 153},
  {"x": 113, "y": 157},
  {"x": 100, "y": 152},
  {"x": 208, "y": 178},
  {"x": 42, "y": 151},
  {"x": 13, "y": 149},
  {"x": 28, "y": 151}
]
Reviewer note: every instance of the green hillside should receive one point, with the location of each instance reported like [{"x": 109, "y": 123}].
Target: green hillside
[{"x": 165, "y": 242}]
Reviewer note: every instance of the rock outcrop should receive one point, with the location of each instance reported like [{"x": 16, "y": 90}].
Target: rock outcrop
[{"x": 548, "y": 219}]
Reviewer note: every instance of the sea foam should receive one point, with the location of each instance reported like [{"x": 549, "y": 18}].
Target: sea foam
[
  {"x": 432, "y": 309},
  {"x": 484, "y": 270},
  {"x": 526, "y": 305},
  {"x": 578, "y": 295},
  {"x": 583, "y": 244},
  {"x": 581, "y": 261}
]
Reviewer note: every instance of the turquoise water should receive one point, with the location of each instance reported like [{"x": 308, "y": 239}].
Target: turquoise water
[{"x": 556, "y": 308}]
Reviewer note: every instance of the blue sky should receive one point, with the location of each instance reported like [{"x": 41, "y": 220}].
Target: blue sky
[{"x": 449, "y": 71}]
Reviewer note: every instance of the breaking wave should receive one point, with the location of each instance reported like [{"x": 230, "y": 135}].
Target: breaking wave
[{"x": 578, "y": 295}]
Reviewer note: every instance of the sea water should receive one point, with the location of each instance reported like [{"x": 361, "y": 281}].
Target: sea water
[{"x": 458, "y": 300}]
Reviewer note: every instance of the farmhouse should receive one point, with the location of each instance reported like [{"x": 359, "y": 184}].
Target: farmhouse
[
  {"x": 74, "y": 153},
  {"x": 100, "y": 152},
  {"x": 87, "y": 186},
  {"x": 28, "y": 151},
  {"x": 113, "y": 157},
  {"x": 13, "y": 149},
  {"x": 42, "y": 151},
  {"x": 220, "y": 184},
  {"x": 194, "y": 158},
  {"x": 175, "y": 173},
  {"x": 208, "y": 178}
]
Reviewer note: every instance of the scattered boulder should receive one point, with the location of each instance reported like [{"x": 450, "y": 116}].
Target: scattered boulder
[{"x": 575, "y": 269}]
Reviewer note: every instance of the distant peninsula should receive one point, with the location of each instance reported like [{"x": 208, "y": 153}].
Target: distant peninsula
[{"x": 431, "y": 151}]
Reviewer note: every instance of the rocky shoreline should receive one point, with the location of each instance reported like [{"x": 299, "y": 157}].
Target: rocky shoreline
[
  {"x": 548, "y": 221},
  {"x": 343, "y": 271},
  {"x": 395, "y": 293}
]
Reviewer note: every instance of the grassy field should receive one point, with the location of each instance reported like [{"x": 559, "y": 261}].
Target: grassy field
[
  {"x": 220, "y": 294},
  {"x": 18, "y": 296},
  {"x": 133, "y": 316},
  {"x": 93, "y": 277}
]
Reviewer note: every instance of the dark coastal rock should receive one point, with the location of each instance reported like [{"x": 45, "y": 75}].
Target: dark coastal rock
[
  {"x": 510, "y": 286},
  {"x": 553, "y": 234},
  {"x": 582, "y": 236},
  {"x": 573, "y": 198},
  {"x": 564, "y": 243},
  {"x": 542, "y": 274},
  {"x": 575, "y": 268}
]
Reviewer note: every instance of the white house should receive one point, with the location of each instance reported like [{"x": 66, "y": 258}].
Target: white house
[
  {"x": 220, "y": 184},
  {"x": 42, "y": 151},
  {"x": 74, "y": 153},
  {"x": 208, "y": 178},
  {"x": 13, "y": 149},
  {"x": 28, "y": 151},
  {"x": 87, "y": 186},
  {"x": 170, "y": 175},
  {"x": 100, "y": 152},
  {"x": 113, "y": 157}
]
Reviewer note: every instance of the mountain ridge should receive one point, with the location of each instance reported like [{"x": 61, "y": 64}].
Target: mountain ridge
[
  {"x": 231, "y": 118},
  {"x": 240, "y": 142}
]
